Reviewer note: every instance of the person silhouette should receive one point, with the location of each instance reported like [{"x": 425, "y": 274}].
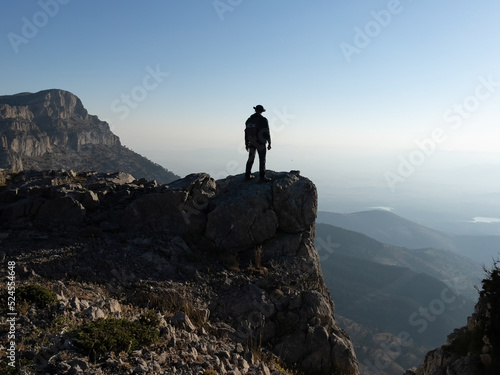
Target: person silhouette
[{"x": 257, "y": 135}]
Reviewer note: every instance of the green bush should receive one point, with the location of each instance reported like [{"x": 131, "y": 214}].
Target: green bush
[
  {"x": 471, "y": 341},
  {"x": 115, "y": 335},
  {"x": 491, "y": 292},
  {"x": 37, "y": 294},
  {"x": 467, "y": 341}
]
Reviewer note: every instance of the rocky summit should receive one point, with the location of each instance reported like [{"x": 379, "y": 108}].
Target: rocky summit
[
  {"x": 51, "y": 129},
  {"x": 195, "y": 277}
]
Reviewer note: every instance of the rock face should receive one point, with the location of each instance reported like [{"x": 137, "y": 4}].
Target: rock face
[
  {"x": 52, "y": 130},
  {"x": 265, "y": 289}
]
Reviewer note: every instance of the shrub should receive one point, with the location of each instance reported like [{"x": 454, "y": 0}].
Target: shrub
[
  {"x": 115, "y": 335},
  {"x": 467, "y": 341},
  {"x": 169, "y": 302},
  {"x": 470, "y": 340},
  {"x": 491, "y": 292},
  {"x": 37, "y": 294}
]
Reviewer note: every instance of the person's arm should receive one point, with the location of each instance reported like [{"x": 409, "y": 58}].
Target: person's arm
[
  {"x": 268, "y": 134},
  {"x": 247, "y": 137}
]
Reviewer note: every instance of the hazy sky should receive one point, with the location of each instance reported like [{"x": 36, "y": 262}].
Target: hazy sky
[{"x": 385, "y": 100}]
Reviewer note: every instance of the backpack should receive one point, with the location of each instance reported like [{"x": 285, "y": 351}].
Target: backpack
[{"x": 251, "y": 130}]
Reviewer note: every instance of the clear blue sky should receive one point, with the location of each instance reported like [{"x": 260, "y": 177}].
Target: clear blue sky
[{"x": 350, "y": 86}]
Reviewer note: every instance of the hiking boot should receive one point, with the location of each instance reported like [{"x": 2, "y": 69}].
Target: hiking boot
[
  {"x": 264, "y": 179},
  {"x": 249, "y": 177}
]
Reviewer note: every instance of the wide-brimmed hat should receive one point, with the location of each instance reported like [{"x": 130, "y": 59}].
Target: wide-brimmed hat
[{"x": 259, "y": 108}]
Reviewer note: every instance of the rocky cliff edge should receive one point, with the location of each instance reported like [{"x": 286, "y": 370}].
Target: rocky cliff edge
[{"x": 243, "y": 251}]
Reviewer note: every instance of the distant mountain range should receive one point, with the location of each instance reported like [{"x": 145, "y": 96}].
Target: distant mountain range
[
  {"x": 401, "y": 288},
  {"x": 447, "y": 266},
  {"x": 382, "y": 291},
  {"x": 51, "y": 129},
  {"x": 387, "y": 227}
]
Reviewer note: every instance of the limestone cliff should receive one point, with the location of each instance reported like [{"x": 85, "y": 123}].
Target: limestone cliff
[
  {"x": 245, "y": 250},
  {"x": 51, "y": 129}
]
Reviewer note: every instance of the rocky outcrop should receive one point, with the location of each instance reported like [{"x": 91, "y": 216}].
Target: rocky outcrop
[
  {"x": 245, "y": 249},
  {"x": 51, "y": 129}
]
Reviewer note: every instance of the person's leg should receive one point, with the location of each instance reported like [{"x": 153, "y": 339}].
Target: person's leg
[
  {"x": 262, "y": 161},
  {"x": 251, "y": 158}
]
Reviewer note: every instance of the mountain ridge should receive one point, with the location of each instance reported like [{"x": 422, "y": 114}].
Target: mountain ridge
[
  {"x": 390, "y": 228},
  {"x": 51, "y": 129},
  {"x": 381, "y": 289},
  {"x": 457, "y": 270}
]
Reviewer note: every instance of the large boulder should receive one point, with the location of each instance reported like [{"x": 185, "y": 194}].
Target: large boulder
[
  {"x": 247, "y": 213},
  {"x": 179, "y": 209}
]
